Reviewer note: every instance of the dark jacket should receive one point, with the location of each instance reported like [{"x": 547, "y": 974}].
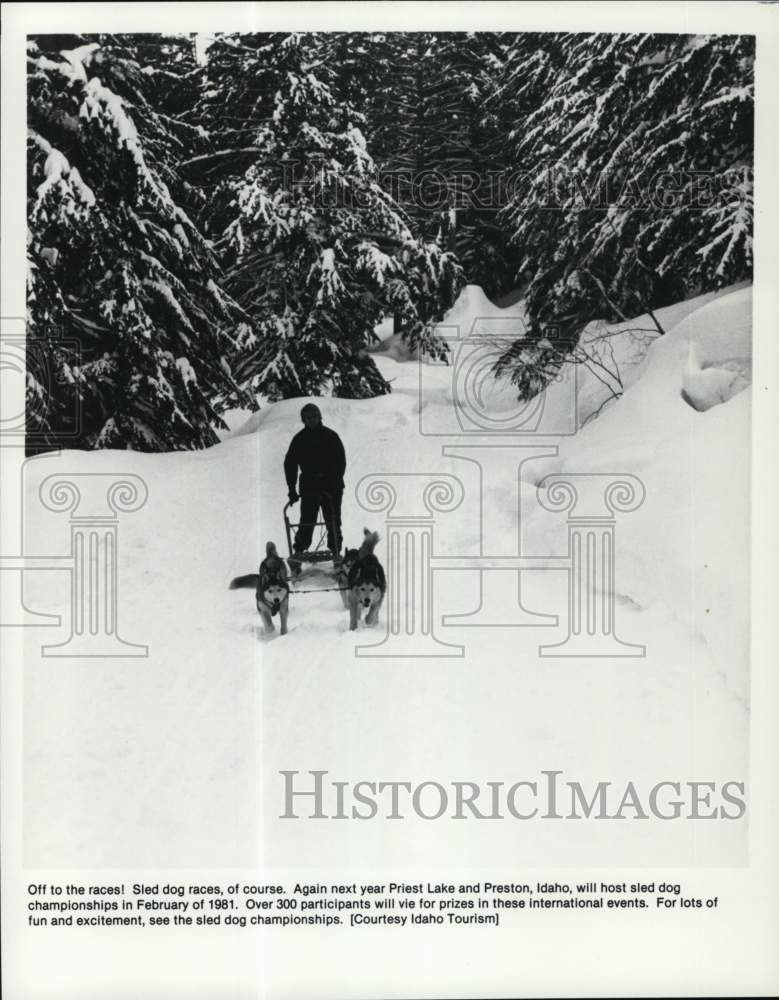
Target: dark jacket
[{"x": 320, "y": 456}]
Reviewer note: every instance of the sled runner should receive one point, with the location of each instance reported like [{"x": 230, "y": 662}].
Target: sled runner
[{"x": 318, "y": 553}]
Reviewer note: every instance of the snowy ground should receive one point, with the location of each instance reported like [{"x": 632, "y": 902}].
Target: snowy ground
[{"x": 173, "y": 760}]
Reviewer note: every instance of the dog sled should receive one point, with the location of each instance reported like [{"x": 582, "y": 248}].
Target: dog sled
[
  {"x": 318, "y": 552},
  {"x": 359, "y": 576}
]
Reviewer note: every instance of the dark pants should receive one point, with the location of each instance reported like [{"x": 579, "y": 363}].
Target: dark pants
[{"x": 310, "y": 506}]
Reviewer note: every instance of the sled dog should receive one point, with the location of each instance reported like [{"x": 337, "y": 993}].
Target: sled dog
[
  {"x": 271, "y": 586},
  {"x": 342, "y": 573},
  {"x": 366, "y": 582}
]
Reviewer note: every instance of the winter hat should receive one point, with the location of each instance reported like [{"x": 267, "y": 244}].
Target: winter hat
[{"x": 310, "y": 408}]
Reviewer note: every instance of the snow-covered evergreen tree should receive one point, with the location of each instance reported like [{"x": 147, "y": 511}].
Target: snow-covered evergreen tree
[
  {"x": 437, "y": 134},
  {"x": 115, "y": 262},
  {"x": 636, "y": 155},
  {"x": 208, "y": 234},
  {"x": 321, "y": 252}
]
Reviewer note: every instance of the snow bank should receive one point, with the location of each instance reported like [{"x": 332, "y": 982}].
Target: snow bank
[
  {"x": 472, "y": 315},
  {"x": 617, "y": 352},
  {"x": 610, "y": 359},
  {"x": 683, "y": 427}
]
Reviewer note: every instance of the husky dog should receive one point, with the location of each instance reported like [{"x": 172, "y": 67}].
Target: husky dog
[
  {"x": 271, "y": 586},
  {"x": 348, "y": 560},
  {"x": 366, "y": 582}
]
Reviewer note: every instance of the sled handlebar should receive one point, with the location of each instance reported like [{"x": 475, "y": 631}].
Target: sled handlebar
[{"x": 308, "y": 493}]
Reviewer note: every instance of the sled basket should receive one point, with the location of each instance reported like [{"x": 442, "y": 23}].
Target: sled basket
[{"x": 319, "y": 551}]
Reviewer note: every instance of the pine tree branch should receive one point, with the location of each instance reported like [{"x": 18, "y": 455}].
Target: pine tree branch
[
  {"x": 612, "y": 305},
  {"x": 221, "y": 155},
  {"x": 648, "y": 270},
  {"x": 596, "y": 413}
]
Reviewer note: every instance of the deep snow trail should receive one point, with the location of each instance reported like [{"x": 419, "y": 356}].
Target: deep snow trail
[{"x": 174, "y": 759}]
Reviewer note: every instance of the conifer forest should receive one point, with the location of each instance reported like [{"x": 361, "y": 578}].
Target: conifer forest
[{"x": 221, "y": 222}]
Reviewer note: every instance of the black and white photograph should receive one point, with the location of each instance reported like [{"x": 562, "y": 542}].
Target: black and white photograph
[{"x": 387, "y": 533}]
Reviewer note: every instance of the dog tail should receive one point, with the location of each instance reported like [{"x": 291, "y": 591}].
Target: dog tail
[
  {"x": 270, "y": 550},
  {"x": 245, "y": 582},
  {"x": 370, "y": 541}
]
